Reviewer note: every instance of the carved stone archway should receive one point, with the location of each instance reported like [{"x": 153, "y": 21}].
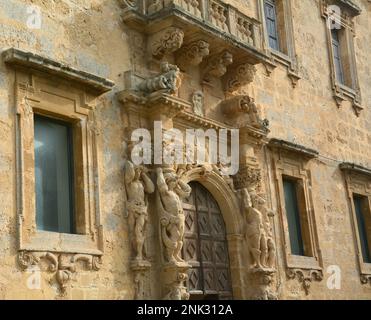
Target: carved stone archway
[{"x": 230, "y": 209}]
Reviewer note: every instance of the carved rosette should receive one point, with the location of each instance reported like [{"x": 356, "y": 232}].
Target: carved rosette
[
  {"x": 306, "y": 277},
  {"x": 62, "y": 265},
  {"x": 238, "y": 77},
  {"x": 193, "y": 54},
  {"x": 166, "y": 42}
]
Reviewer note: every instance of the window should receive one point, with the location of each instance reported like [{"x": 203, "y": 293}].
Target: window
[
  {"x": 58, "y": 207},
  {"x": 363, "y": 215},
  {"x": 293, "y": 216},
  {"x": 53, "y": 175},
  {"x": 358, "y": 187},
  {"x": 271, "y": 21},
  {"x": 337, "y": 56},
  {"x": 295, "y": 210},
  {"x": 339, "y": 17},
  {"x": 279, "y": 36}
]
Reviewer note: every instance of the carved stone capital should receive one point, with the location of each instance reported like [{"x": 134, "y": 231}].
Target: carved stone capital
[
  {"x": 217, "y": 65},
  {"x": 174, "y": 279},
  {"x": 193, "y": 54},
  {"x": 306, "y": 277},
  {"x": 248, "y": 177},
  {"x": 62, "y": 265},
  {"x": 166, "y": 42},
  {"x": 238, "y": 77},
  {"x": 260, "y": 282}
]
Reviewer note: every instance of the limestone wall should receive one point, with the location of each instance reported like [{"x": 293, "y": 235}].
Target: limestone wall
[{"x": 90, "y": 36}]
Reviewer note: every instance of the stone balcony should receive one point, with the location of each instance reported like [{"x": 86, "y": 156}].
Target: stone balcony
[{"x": 221, "y": 25}]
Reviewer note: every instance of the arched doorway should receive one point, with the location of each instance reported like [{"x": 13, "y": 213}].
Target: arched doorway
[{"x": 205, "y": 246}]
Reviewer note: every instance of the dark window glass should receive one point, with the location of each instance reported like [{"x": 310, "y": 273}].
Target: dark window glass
[
  {"x": 337, "y": 56},
  {"x": 271, "y": 22},
  {"x": 360, "y": 205},
  {"x": 293, "y": 217},
  {"x": 53, "y": 175}
]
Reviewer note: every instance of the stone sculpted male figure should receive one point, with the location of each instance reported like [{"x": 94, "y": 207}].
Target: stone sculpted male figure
[
  {"x": 137, "y": 183},
  {"x": 259, "y": 231},
  {"x": 171, "y": 192}
]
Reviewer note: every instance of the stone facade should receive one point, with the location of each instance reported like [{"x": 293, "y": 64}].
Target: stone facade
[{"x": 114, "y": 66}]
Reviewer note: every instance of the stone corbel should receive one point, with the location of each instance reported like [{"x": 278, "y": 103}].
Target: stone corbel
[
  {"x": 168, "y": 81},
  {"x": 242, "y": 111},
  {"x": 239, "y": 76},
  {"x": 305, "y": 277},
  {"x": 62, "y": 265},
  {"x": 193, "y": 54},
  {"x": 217, "y": 65},
  {"x": 166, "y": 42}
]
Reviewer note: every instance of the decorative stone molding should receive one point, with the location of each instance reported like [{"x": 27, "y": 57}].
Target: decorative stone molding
[
  {"x": 17, "y": 57},
  {"x": 166, "y": 42},
  {"x": 238, "y": 77},
  {"x": 217, "y": 65},
  {"x": 193, "y": 54},
  {"x": 305, "y": 277},
  {"x": 62, "y": 265},
  {"x": 168, "y": 81}
]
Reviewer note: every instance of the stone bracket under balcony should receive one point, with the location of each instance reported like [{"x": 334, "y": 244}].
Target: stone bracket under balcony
[{"x": 222, "y": 26}]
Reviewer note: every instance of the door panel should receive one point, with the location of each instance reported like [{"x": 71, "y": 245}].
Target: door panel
[{"x": 205, "y": 247}]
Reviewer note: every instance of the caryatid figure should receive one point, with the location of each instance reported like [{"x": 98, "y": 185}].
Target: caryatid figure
[
  {"x": 138, "y": 184},
  {"x": 172, "y": 191}
]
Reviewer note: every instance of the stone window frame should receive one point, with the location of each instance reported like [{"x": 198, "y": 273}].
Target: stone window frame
[
  {"x": 54, "y": 90},
  {"x": 342, "y": 92},
  {"x": 358, "y": 181},
  {"x": 289, "y": 59},
  {"x": 293, "y": 161}
]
